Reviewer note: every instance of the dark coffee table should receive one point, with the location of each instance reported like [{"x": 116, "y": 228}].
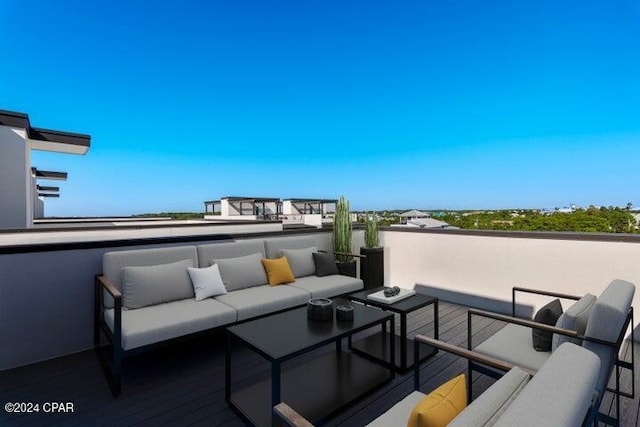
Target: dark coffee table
[
  {"x": 316, "y": 388},
  {"x": 376, "y": 346}
]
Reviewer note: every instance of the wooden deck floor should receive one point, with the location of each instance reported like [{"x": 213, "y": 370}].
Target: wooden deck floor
[{"x": 183, "y": 384}]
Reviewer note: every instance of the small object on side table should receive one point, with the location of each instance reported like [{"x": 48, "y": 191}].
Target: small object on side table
[
  {"x": 391, "y": 292},
  {"x": 344, "y": 313},
  {"x": 320, "y": 309}
]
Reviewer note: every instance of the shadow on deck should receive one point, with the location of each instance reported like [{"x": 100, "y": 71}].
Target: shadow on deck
[{"x": 183, "y": 384}]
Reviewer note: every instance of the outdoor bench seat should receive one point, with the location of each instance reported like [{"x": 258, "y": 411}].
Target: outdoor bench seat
[
  {"x": 145, "y": 317},
  {"x": 561, "y": 393},
  {"x": 169, "y": 320},
  {"x": 261, "y": 300},
  {"x": 327, "y": 286}
]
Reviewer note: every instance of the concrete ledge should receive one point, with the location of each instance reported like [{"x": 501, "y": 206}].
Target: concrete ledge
[{"x": 475, "y": 301}]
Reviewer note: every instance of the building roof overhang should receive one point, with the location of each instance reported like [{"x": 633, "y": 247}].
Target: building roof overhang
[
  {"x": 46, "y": 139},
  {"x": 51, "y": 175}
]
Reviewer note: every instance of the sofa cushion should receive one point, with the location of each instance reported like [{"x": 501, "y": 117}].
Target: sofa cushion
[
  {"x": 207, "y": 282},
  {"x": 259, "y": 300},
  {"x": 278, "y": 271},
  {"x": 226, "y": 249},
  {"x": 398, "y": 414},
  {"x": 114, "y": 262},
  {"x": 547, "y": 315},
  {"x": 161, "y": 322},
  {"x": 490, "y": 405},
  {"x": 559, "y": 394},
  {"x": 328, "y": 286},
  {"x": 155, "y": 284},
  {"x": 325, "y": 264},
  {"x": 301, "y": 260},
  {"x": 605, "y": 323},
  {"x": 575, "y": 319},
  {"x": 442, "y": 405},
  {"x": 514, "y": 344},
  {"x": 242, "y": 272},
  {"x": 274, "y": 246}
]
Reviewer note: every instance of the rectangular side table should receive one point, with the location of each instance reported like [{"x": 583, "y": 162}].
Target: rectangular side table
[{"x": 376, "y": 346}]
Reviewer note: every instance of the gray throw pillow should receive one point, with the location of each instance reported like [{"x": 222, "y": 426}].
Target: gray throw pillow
[
  {"x": 325, "y": 264},
  {"x": 301, "y": 260},
  {"x": 548, "y": 315},
  {"x": 575, "y": 319},
  {"x": 155, "y": 284},
  {"x": 242, "y": 272}
]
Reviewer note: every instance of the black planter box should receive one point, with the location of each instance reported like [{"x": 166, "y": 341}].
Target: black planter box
[
  {"x": 372, "y": 267},
  {"x": 347, "y": 268}
]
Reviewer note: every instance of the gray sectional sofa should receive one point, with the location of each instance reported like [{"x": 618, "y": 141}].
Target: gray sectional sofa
[{"x": 134, "y": 318}]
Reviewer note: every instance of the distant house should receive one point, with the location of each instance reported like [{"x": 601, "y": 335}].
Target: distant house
[
  {"x": 411, "y": 215},
  {"x": 425, "y": 223}
]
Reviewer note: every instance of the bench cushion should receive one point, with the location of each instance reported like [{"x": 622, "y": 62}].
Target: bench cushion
[
  {"x": 274, "y": 246},
  {"x": 242, "y": 272},
  {"x": 161, "y": 322},
  {"x": 559, "y": 394},
  {"x": 301, "y": 260},
  {"x": 155, "y": 284},
  {"x": 114, "y": 262},
  {"x": 575, "y": 319},
  {"x": 259, "y": 300},
  {"x": 492, "y": 403},
  {"x": 514, "y": 344},
  {"x": 233, "y": 249},
  {"x": 606, "y": 321},
  {"x": 399, "y": 413},
  {"x": 328, "y": 286}
]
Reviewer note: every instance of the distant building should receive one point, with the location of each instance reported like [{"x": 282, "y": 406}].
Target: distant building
[
  {"x": 21, "y": 196},
  {"x": 411, "y": 215},
  {"x": 425, "y": 223}
]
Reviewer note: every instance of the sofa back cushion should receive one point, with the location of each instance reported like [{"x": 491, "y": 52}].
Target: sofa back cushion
[
  {"x": 242, "y": 272},
  {"x": 605, "y": 323},
  {"x": 114, "y": 262},
  {"x": 575, "y": 319},
  {"x": 207, "y": 253},
  {"x": 274, "y": 246},
  {"x": 155, "y": 284},
  {"x": 301, "y": 260}
]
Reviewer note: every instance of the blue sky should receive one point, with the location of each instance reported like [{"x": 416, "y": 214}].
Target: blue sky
[{"x": 457, "y": 104}]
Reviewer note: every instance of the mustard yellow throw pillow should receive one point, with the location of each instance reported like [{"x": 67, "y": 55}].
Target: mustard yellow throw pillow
[
  {"x": 441, "y": 406},
  {"x": 278, "y": 271}
]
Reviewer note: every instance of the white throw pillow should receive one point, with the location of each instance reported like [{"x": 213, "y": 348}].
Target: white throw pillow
[{"x": 207, "y": 282}]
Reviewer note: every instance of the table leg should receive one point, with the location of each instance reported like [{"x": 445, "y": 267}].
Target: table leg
[
  {"x": 338, "y": 346},
  {"x": 227, "y": 369},
  {"x": 403, "y": 341},
  {"x": 275, "y": 384},
  {"x": 436, "y": 334},
  {"x": 392, "y": 350}
]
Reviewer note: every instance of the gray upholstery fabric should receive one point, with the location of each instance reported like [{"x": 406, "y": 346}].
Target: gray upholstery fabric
[
  {"x": 513, "y": 344},
  {"x": 559, "y": 394},
  {"x": 575, "y": 319},
  {"x": 155, "y": 284},
  {"x": 207, "y": 253},
  {"x": 605, "y": 322},
  {"x": 255, "y": 301},
  {"x": 398, "y": 414},
  {"x": 161, "y": 322},
  {"x": 328, "y": 286},
  {"x": 274, "y": 246},
  {"x": 114, "y": 262},
  {"x": 301, "y": 260},
  {"x": 242, "y": 272},
  {"x": 491, "y": 404}
]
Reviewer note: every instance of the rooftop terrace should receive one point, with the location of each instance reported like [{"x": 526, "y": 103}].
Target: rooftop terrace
[{"x": 182, "y": 384}]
